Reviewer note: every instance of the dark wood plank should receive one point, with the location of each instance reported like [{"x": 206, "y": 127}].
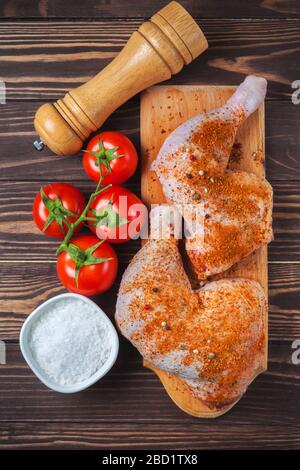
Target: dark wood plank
[
  {"x": 282, "y": 138},
  {"x": 286, "y": 222},
  {"x": 132, "y": 8},
  {"x": 284, "y": 292},
  {"x": 24, "y": 285},
  {"x": 19, "y": 161},
  {"x": 27, "y": 284},
  {"x": 129, "y": 409},
  {"x": 198, "y": 436},
  {"x": 21, "y": 240},
  {"x": 42, "y": 60},
  {"x": 130, "y": 393}
]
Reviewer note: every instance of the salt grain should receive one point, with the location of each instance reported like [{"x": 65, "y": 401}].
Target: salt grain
[{"x": 70, "y": 341}]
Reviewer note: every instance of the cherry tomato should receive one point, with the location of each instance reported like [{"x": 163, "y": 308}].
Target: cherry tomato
[
  {"x": 119, "y": 215},
  {"x": 92, "y": 279},
  {"x": 55, "y": 202},
  {"x": 116, "y": 155}
]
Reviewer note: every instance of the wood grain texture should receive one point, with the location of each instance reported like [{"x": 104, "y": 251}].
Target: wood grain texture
[
  {"x": 43, "y": 60},
  {"x": 130, "y": 393},
  {"x": 17, "y": 134},
  {"x": 132, "y": 8},
  {"x": 19, "y": 160},
  {"x": 24, "y": 285},
  {"x": 21, "y": 240},
  {"x": 82, "y": 436}
]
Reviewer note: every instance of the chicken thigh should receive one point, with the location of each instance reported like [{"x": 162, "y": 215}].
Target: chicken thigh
[
  {"x": 213, "y": 338},
  {"x": 235, "y": 207}
]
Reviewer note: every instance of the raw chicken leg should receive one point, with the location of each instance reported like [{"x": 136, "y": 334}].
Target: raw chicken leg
[
  {"x": 214, "y": 338},
  {"x": 235, "y": 207}
]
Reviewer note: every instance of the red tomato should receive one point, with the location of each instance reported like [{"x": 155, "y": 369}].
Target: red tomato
[
  {"x": 94, "y": 278},
  {"x": 120, "y": 215},
  {"x": 62, "y": 200},
  {"x": 115, "y": 153}
]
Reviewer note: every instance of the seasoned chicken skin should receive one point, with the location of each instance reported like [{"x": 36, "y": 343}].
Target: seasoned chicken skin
[
  {"x": 237, "y": 219},
  {"x": 213, "y": 338},
  {"x": 236, "y": 207}
]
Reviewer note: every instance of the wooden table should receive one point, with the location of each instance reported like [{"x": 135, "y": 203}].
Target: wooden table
[{"x": 48, "y": 47}]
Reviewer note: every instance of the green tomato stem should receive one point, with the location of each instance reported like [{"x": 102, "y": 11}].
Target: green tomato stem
[{"x": 82, "y": 218}]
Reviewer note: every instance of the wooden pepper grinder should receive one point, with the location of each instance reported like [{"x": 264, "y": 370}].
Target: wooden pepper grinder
[{"x": 158, "y": 50}]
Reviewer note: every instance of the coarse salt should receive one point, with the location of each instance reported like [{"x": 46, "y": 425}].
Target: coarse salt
[{"x": 70, "y": 341}]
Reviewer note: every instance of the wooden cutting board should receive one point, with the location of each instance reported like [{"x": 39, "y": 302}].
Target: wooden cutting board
[{"x": 163, "y": 108}]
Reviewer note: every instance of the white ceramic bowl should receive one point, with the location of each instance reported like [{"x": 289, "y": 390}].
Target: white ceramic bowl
[{"x": 24, "y": 334}]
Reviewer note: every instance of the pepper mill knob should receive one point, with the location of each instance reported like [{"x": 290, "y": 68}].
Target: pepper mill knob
[{"x": 158, "y": 50}]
